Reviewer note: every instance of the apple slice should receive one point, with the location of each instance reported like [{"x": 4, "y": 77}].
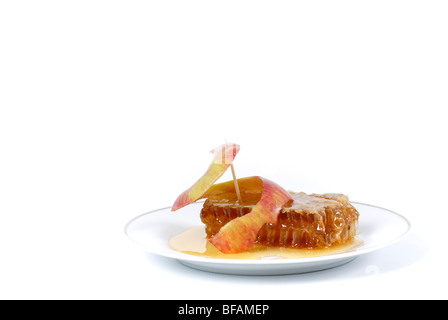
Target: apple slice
[
  {"x": 239, "y": 234},
  {"x": 223, "y": 158}
]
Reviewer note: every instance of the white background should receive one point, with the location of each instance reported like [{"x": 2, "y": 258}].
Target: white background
[{"x": 108, "y": 110}]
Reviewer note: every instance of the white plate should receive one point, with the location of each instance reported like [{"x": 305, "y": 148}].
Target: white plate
[{"x": 378, "y": 227}]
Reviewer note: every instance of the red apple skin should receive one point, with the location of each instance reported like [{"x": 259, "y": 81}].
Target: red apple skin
[
  {"x": 221, "y": 161},
  {"x": 239, "y": 234}
]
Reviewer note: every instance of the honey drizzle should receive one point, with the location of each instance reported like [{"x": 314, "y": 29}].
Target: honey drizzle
[{"x": 194, "y": 241}]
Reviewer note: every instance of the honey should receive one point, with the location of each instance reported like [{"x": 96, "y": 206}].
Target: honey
[
  {"x": 309, "y": 222},
  {"x": 193, "y": 241}
]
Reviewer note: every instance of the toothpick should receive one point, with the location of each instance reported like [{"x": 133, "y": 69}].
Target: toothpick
[{"x": 237, "y": 188}]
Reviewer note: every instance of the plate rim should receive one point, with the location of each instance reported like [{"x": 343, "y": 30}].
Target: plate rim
[{"x": 198, "y": 259}]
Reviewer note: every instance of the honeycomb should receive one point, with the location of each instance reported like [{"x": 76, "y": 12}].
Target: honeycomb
[{"x": 310, "y": 221}]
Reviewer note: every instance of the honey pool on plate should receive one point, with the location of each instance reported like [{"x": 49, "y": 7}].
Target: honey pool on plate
[{"x": 194, "y": 241}]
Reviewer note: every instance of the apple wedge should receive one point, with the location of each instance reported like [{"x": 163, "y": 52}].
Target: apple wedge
[
  {"x": 223, "y": 158},
  {"x": 239, "y": 234}
]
